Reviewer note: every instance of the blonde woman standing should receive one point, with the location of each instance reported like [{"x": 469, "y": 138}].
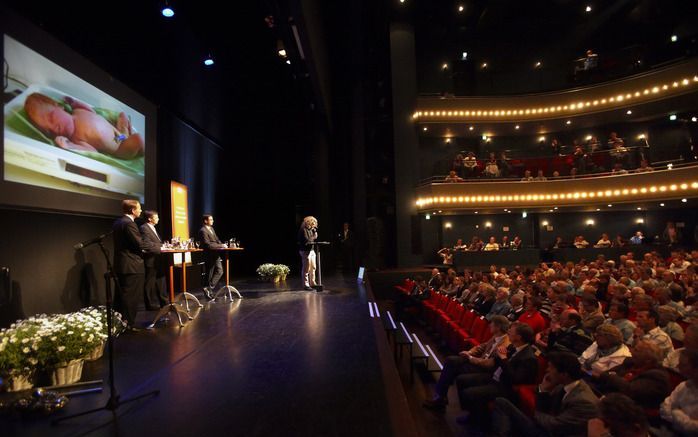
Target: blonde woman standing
[{"x": 307, "y": 234}]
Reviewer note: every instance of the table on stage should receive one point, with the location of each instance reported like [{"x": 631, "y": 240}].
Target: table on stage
[
  {"x": 227, "y": 288},
  {"x": 173, "y": 305}
]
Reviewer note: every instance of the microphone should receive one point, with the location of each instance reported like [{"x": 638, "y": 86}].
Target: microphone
[{"x": 92, "y": 241}]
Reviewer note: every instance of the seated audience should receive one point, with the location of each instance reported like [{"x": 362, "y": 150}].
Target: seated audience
[
  {"x": 667, "y": 321},
  {"x": 446, "y": 255},
  {"x": 564, "y": 404},
  {"x": 568, "y": 336},
  {"x": 680, "y": 409},
  {"x": 638, "y": 238},
  {"x": 516, "y": 243},
  {"x": 541, "y": 176},
  {"x": 517, "y": 307},
  {"x": 605, "y": 352},
  {"x": 469, "y": 165},
  {"x": 435, "y": 280},
  {"x": 506, "y": 244},
  {"x": 618, "y": 317},
  {"x": 618, "y": 242},
  {"x": 491, "y": 245},
  {"x": 580, "y": 242},
  {"x": 644, "y": 167},
  {"x": 478, "y": 359},
  {"x": 527, "y": 176},
  {"x": 648, "y": 329},
  {"x": 618, "y": 169},
  {"x": 603, "y": 242},
  {"x": 491, "y": 167},
  {"x": 457, "y": 165},
  {"x": 475, "y": 244},
  {"x": 453, "y": 177},
  {"x": 520, "y": 366},
  {"x": 619, "y": 416},
  {"x": 532, "y": 316},
  {"x": 501, "y": 306},
  {"x": 590, "y": 310},
  {"x": 690, "y": 341}
]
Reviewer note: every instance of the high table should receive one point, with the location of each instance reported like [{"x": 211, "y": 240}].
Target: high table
[
  {"x": 227, "y": 288},
  {"x": 174, "y": 305}
]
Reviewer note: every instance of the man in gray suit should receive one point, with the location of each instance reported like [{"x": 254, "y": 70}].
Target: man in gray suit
[{"x": 564, "y": 404}]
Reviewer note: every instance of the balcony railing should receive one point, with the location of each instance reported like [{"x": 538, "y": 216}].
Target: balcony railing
[{"x": 681, "y": 181}]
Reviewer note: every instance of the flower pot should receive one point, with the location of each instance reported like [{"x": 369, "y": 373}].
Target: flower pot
[
  {"x": 283, "y": 277},
  {"x": 68, "y": 373},
  {"x": 96, "y": 352},
  {"x": 276, "y": 279},
  {"x": 20, "y": 382}
]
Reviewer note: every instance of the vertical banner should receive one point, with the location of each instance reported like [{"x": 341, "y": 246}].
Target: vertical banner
[{"x": 180, "y": 212}]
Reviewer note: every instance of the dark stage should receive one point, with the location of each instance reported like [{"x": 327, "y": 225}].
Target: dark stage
[{"x": 277, "y": 362}]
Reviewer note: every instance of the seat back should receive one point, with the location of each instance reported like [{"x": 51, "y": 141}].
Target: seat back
[{"x": 468, "y": 319}]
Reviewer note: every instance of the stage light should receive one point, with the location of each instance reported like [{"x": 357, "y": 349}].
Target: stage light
[
  {"x": 545, "y": 222},
  {"x": 590, "y": 222},
  {"x": 484, "y": 65},
  {"x": 568, "y": 122},
  {"x": 484, "y": 137},
  {"x": 208, "y": 61},
  {"x": 448, "y": 141},
  {"x": 282, "y": 53},
  {"x": 661, "y": 204},
  {"x": 588, "y": 8},
  {"x": 488, "y": 225},
  {"x": 674, "y": 38},
  {"x": 537, "y": 65},
  {"x": 516, "y": 127},
  {"x": 402, "y": 1},
  {"x": 524, "y": 214},
  {"x": 448, "y": 225},
  {"x": 640, "y": 221},
  {"x": 641, "y": 137},
  {"x": 684, "y": 200},
  {"x": 464, "y": 56},
  {"x": 610, "y": 205},
  {"x": 425, "y": 128},
  {"x": 461, "y": 8},
  {"x": 167, "y": 11},
  {"x": 672, "y": 117},
  {"x": 588, "y": 138},
  {"x": 444, "y": 66},
  {"x": 288, "y": 61},
  {"x": 428, "y": 217},
  {"x": 694, "y": 119},
  {"x": 471, "y": 128},
  {"x": 629, "y": 112},
  {"x": 541, "y": 139}
]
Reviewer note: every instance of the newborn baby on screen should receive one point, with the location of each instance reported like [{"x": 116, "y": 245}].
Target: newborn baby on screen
[{"x": 84, "y": 129}]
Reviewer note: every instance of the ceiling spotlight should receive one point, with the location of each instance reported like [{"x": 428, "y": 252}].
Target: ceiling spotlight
[
  {"x": 448, "y": 141},
  {"x": 461, "y": 8},
  {"x": 588, "y": 8},
  {"x": 568, "y": 122},
  {"x": 425, "y": 128},
  {"x": 661, "y": 204},
  {"x": 590, "y": 222},
  {"x": 524, "y": 214},
  {"x": 639, "y": 209},
  {"x": 484, "y": 65},
  {"x": 541, "y": 139},
  {"x": 475, "y": 212},
  {"x": 208, "y": 61},
  {"x": 537, "y": 65},
  {"x": 544, "y": 223},
  {"x": 684, "y": 200},
  {"x": 282, "y": 53},
  {"x": 428, "y": 217},
  {"x": 484, "y": 137},
  {"x": 471, "y": 128},
  {"x": 694, "y": 119},
  {"x": 288, "y": 61},
  {"x": 598, "y": 209},
  {"x": 517, "y": 126},
  {"x": 610, "y": 205},
  {"x": 674, "y": 38},
  {"x": 641, "y": 137},
  {"x": 629, "y": 112},
  {"x": 672, "y": 117},
  {"x": 167, "y": 11},
  {"x": 464, "y": 56},
  {"x": 444, "y": 66},
  {"x": 402, "y": 1}
]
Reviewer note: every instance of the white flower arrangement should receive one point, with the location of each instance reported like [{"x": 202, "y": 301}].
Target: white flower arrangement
[
  {"x": 46, "y": 342},
  {"x": 283, "y": 269},
  {"x": 267, "y": 270}
]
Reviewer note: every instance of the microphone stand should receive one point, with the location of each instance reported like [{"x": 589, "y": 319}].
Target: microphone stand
[{"x": 114, "y": 400}]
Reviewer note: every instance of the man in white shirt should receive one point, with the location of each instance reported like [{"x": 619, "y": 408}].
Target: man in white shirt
[{"x": 648, "y": 329}]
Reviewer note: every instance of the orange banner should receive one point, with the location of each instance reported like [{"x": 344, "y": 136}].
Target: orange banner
[{"x": 180, "y": 212}]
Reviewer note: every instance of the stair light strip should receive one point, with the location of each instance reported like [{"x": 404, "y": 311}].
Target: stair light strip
[
  {"x": 405, "y": 331},
  {"x": 392, "y": 322},
  {"x": 378, "y": 313},
  {"x": 370, "y": 309},
  {"x": 433, "y": 355},
  {"x": 572, "y": 107},
  {"x": 424, "y": 351},
  {"x": 574, "y": 196}
]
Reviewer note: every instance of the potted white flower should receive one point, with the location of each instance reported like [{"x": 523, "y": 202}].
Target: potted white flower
[
  {"x": 72, "y": 337},
  {"x": 283, "y": 271},
  {"x": 99, "y": 315},
  {"x": 268, "y": 272},
  {"x": 18, "y": 355}
]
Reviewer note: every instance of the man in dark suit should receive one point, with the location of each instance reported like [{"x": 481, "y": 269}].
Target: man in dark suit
[
  {"x": 154, "y": 292},
  {"x": 129, "y": 248},
  {"x": 476, "y": 390},
  {"x": 214, "y": 265},
  {"x": 564, "y": 403}
]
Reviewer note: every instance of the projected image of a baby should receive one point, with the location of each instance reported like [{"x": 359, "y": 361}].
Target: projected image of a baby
[{"x": 83, "y": 129}]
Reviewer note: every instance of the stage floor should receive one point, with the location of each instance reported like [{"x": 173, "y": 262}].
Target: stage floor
[{"x": 277, "y": 362}]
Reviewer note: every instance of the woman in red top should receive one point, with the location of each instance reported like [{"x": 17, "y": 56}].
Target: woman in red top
[{"x": 532, "y": 317}]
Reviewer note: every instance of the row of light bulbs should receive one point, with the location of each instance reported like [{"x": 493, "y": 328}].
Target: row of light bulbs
[
  {"x": 572, "y": 107},
  {"x": 428, "y": 201}
]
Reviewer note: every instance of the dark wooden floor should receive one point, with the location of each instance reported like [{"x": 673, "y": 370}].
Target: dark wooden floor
[{"x": 275, "y": 363}]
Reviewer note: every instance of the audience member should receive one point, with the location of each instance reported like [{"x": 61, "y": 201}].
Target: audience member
[
  {"x": 648, "y": 329},
  {"x": 605, "y": 352},
  {"x": 619, "y": 416},
  {"x": 453, "y": 177},
  {"x": 491, "y": 245},
  {"x": 680, "y": 409}
]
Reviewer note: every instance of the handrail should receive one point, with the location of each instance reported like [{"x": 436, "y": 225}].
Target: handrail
[{"x": 670, "y": 165}]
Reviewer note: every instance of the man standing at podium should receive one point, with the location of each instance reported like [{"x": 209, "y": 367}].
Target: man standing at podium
[
  {"x": 307, "y": 234},
  {"x": 214, "y": 265},
  {"x": 154, "y": 292},
  {"x": 129, "y": 248}
]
